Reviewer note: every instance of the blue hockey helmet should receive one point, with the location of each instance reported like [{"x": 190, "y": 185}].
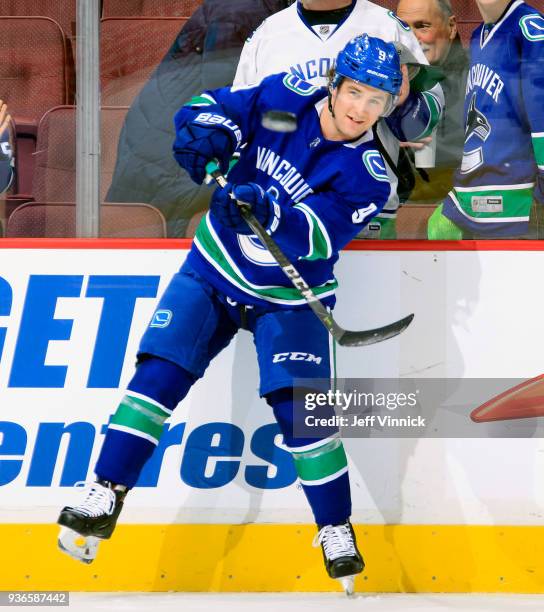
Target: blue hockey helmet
[{"x": 370, "y": 61}]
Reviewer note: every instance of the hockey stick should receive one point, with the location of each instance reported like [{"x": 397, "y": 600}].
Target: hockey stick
[{"x": 344, "y": 337}]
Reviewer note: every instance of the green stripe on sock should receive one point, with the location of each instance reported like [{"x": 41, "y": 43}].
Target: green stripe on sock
[
  {"x": 321, "y": 462},
  {"x": 140, "y": 415}
]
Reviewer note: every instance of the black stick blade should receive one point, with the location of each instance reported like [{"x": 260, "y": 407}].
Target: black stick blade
[{"x": 372, "y": 336}]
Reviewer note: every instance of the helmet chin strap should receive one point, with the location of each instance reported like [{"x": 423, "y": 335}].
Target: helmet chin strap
[
  {"x": 331, "y": 110},
  {"x": 329, "y": 99}
]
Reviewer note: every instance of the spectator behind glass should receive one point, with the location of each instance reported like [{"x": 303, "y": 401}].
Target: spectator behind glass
[
  {"x": 203, "y": 56},
  {"x": 435, "y": 27},
  {"x": 500, "y": 179},
  {"x": 6, "y": 160},
  {"x": 305, "y": 38}
]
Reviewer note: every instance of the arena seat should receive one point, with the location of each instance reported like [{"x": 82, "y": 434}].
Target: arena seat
[
  {"x": 58, "y": 220},
  {"x": 130, "y": 50},
  {"x": 62, "y": 11},
  {"x": 55, "y": 170},
  {"x": 149, "y": 8},
  {"x": 33, "y": 67},
  {"x": 33, "y": 78}
]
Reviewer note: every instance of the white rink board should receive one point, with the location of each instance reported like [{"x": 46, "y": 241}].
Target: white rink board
[{"x": 478, "y": 314}]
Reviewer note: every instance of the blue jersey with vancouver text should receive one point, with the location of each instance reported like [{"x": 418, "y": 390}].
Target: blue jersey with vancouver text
[
  {"x": 503, "y": 158},
  {"x": 327, "y": 192}
]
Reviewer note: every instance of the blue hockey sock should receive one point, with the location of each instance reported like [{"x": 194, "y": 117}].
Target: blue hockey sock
[
  {"x": 321, "y": 463},
  {"x": 134, "y": 430}
]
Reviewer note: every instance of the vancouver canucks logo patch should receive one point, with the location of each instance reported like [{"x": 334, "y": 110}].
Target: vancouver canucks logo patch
[
  {"x": 161, "y": 318},
  {"x": 532, "y": 27},
  {"x": 296, "y": 84},
  {"x": 374, "y": 163},
  {"x": 477, "y": 123},
  {"x": 479, "y": 126}
]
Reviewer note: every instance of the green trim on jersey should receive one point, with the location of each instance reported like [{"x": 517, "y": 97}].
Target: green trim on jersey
[
  {"x": 538, "y": 147},
  {"x": 136, "y": 414},
  {"x": 200, "y": 101},
  {"x": 435, "y": 110},
  {"x": 515, "y": 202},
  {"x": 216, "y": 254},
  {"x": 321, "y": 464},
  {"x": 320, "y": 243}
]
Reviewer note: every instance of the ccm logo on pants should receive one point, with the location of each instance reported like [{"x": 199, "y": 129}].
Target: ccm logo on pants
[{"x": 296, "y": 357}]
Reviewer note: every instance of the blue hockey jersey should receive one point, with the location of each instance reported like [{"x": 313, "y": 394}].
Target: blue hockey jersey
[
  {"x": 327, "y": 191},
  {"x": 503, "y": 158}
]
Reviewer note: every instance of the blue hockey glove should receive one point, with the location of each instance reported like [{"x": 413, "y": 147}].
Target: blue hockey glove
[
  {"x": 197, "y": 144},
  {"x": 263, "y": 206}
]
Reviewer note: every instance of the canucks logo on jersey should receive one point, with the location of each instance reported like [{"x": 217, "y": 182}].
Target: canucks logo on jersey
[
  {"x": 478, "y": 126},
  {"x": 375, "y": 165},
  {"x": 532, "y": 27},
  {"x": 477, "y": 122}
]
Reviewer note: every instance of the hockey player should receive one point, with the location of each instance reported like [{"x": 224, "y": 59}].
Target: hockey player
[
  {"x": 6, "y": 153},
  {"x": 312, "y": 190},
  {"x": 305, "y": 38},
  {"x": 502, "y": 169}
]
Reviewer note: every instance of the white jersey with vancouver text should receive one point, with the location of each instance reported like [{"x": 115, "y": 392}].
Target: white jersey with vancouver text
[{"x": 285, "y": 42}]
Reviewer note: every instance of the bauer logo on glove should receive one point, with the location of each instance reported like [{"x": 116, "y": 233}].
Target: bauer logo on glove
[
  {"x": 197, "y": 143},
  {"x": 212, "y": 119}
]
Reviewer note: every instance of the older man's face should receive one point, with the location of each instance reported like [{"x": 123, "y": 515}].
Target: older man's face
[{"x": 432, "y": 30}]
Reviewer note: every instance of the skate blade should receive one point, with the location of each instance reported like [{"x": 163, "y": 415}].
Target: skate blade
[
  {"x": 348, "y": 584},
  {"x": 79, "y": 547}
]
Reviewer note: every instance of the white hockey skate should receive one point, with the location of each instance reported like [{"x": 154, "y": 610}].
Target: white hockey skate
[
  {"x": 94, "y": 519},
  {"x": 343, "y": 560}
]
